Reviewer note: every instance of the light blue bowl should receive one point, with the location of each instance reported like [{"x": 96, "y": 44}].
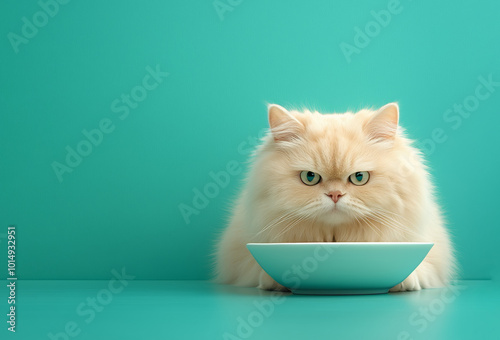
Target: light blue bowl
[{"x": 339, "y": 268}]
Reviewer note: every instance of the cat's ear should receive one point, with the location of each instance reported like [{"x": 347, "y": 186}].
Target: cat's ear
[
  {"x": 284, "y": 126},
  {"x": 384, "y": 124}
]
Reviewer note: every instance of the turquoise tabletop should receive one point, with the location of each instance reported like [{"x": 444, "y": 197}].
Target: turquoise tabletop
[{"x": 134, "y": 309}]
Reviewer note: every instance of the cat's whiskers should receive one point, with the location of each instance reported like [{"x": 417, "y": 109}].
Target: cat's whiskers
[
  {"x": 307, "y": 212},
  {"x": 288, "y": 227},
  {"x": 277, "y": 221},
  {"x": 393, "y": 224},
  {"x": 387, "y": 212},
  {"x": 391, "y": 212},
  {"x": 383, "y": 218},
  {"x": 387, "y": 225},
  {"x": 359, "y": 209},
  {"x": 383, "y": 214},
  {"x": 372, "y": 226}
]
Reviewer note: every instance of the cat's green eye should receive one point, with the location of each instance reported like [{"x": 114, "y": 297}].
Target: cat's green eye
[
  {"x": 310, "y": 178},
  {"x": 359, "y": 178}
]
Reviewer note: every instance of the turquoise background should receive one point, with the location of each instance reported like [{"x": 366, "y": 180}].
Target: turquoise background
[{"x": 120, "y": 206}]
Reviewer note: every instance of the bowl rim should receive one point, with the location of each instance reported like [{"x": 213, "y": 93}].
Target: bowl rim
[{"x": 336, "y": 243}]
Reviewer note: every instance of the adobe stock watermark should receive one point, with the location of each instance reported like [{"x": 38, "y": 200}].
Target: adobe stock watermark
[
  {"x": 363, "y": 37},
  {"x": 425, "y": 316},
  {"x": 218, "y": 180},
  {"x": 31, "y": 26},
  {"x": 93, "y": 305},
  {"x": 94, "y": 137},
  {"x": 297, "y": 273},
  {"x": 264, "y": 308},
  {"x": 223, "y": 6},
  {"x": 454, "y": 116}
]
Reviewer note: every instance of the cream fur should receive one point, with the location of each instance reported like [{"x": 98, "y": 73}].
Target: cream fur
[{"x": 397, "y": 203}]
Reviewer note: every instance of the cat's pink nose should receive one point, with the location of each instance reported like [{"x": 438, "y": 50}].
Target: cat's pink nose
[{"x": 335, "y": 195}]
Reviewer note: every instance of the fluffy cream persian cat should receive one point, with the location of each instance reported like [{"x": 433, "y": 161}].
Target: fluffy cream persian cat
[{"x": 335, "y": 178}]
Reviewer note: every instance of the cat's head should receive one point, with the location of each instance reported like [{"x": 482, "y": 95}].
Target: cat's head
[{"x": 337, "y": 168}]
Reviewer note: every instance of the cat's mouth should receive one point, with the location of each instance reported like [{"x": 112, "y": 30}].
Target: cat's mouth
[
  {"x": 337, "y": 209},
  {"x": 339, "y": 206},
  {"x": 335, "y": 214},
  {"x": 342, "y": 211}
]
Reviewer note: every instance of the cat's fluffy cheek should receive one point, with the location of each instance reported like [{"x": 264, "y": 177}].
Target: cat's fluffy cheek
[
  {"x": 267, "y": 283},
  {"x": 410, "y": 283}
]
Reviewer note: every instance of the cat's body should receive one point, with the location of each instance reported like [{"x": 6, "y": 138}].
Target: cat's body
[{"x": 301, "y": 188}]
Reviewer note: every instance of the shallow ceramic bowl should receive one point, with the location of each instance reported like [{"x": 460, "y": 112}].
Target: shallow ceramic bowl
[{"x": 339, "y": 268}]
